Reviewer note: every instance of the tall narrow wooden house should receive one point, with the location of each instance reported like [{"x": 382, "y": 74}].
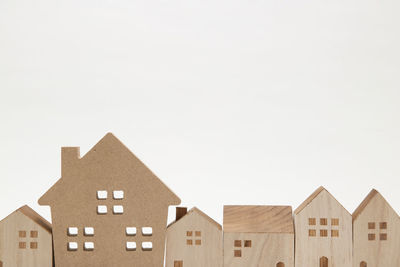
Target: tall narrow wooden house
[
  {"x": 258, "y": 236},
  {"x": 323, "y": 230},
  {"x": 108, "y": 209},
  {"x": 376, "y": 233}
]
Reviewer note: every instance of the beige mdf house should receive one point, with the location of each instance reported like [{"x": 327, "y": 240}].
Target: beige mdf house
[
  {"x": 376, "y": 233},
  {"x": 258, "y": 236},
  {"x": 25, "y": 240},
  {"x": 108, "y": 209},
  {"x": 323, "y": 230},
  {"x": 194, "y": 240}
]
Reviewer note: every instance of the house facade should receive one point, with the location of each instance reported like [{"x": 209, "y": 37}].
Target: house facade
[
  {"x": 376, "y": 233},
  {"x": 108, "y": 209},
  {"x": 258, "y": 236},
  {"x": 194, "y": 240},
  {"x": 25, "y": 240},
  {"x": 323, "y": 232}
]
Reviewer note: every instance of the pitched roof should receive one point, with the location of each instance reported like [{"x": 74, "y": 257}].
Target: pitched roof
[
  {"x": 309, "y": 199},
  {"x": 196, "y": 210},
  {"x": 34, "y": 216},
  {"x": 258, "y": 219}
]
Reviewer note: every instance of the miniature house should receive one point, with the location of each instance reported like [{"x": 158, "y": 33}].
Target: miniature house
[
  {"x": 25, "y": 240},
  {"x": 194, "y": 240},
  {"x": 108, "y": 209},
  {"x": 323, "y": 232},
  {"x": 256, "y": 236},
  {"x": 376, "y": 233}
]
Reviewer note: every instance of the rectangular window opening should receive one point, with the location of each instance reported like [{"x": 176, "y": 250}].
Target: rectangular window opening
[
  {"x": 238, "y": 253},
  {"x": 238, "y": 243},
  {"x": 247, "y": 243}
]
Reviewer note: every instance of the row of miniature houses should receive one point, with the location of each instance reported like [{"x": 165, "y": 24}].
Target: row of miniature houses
[{"x": 108, "y": 209}]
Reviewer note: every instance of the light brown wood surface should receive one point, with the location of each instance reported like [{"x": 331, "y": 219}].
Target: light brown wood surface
[
  {"x": 258, "y": 236},
  {"x": 376, "y": 233},
  {"x": 25, "y": 240},
  {"x": 195, "y": 240},
  {"x": 77, "y": 201},
  {"x": 323, "y": 230}
]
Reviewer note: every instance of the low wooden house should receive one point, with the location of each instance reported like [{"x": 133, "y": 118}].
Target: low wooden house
[
  {"x": 258, "y": 236},
  {"x": 25, "y": 240},
  {"x": 194, "y": 240},
  {"x": 376, "y": 233},
  {"x": 323, "y": 230}
]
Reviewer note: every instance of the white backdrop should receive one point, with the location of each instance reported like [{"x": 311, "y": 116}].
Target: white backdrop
[{"x": 228, "y": 102}]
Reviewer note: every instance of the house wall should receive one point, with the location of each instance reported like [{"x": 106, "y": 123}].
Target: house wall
[
  {"x": 377, "y": 252},
  {"x": 13, "y": 256},
  {"x": 208, "y": 253},
  {"x": 309, "y": 249},
  {"x": 267, "y": 249}
]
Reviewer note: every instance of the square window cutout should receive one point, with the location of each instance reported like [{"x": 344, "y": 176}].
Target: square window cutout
[
  {"x": 118, "y": 194},
  {"x": 147, "y": 231},
  {"x": 130, "y": 231},
  {"x": 101, "y": 209},
  {"x": 72, "y": 246},
  {"x": 131, "y": 246},
  {"x": 147, "y": 246},
  {"x": 102, "y": 194},
  {"x": 89, "y": 231},
  {"x": 118, "y": 209},
  {"x": 72, "y": 231},
  {"x": 88, "y": 246}
]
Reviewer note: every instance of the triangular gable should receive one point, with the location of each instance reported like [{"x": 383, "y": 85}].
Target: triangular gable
[
  {"x": 108, "y": 145},
  {"x": 196, "y": 210},
  {"x": 313, "y": 196},
  {"x": 32, "y": 215},
  {"x": 367, "y": 200}
]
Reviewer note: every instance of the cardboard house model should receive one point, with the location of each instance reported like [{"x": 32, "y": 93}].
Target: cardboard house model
[
  {"x": 257, "y": 236},
  {"x": 323, "y": 232},
  {"x": 108, "y": 209},
  {"x": 376, "y": 233},
  {"x": 194, "y": 240},
  {"x": 25, "y": 240}
]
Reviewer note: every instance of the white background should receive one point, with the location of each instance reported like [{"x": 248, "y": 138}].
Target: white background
[{"x": 228, "y": 102}]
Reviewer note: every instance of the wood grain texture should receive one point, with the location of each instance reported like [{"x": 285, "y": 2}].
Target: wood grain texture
[
  {"x": 317, "y": 234},
  {"x": 25, "y": 240},
  {"x": 258, "y": 236},
  {"x": 109, "y": 166},
  {"x": 376, "y": 217},
  {"x": 194, "y": 226}
]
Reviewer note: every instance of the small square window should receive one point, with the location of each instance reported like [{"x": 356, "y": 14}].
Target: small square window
[
  {"x": 34, "y": 245},
  {"x": 147, "y": 231},
  {"x": 118, "y": 194},
  {"x": 189, "y": 242},
  {"x": 102, "y": 194},
  {"x": 323, "y": 233},
  {"x": 147, "y": 246},
  {"x": 371, "y": 237},
  {"x": 118, "y": 209},
  {"x": 189, "y": 233},
  {"x": 383, "y": 225},
  {"x": 34, "y": 234},
  {"x": 198, "y": 233},
  {"x": 371, "y": 225},
  {"x": 312, "y": 221},
  {"x": 335, "y": 221},
  {"x": 334, "y": 233},
  {"x": 72, "y": 246},
  {"x": 238, "y": 253},
  {"x": 198, "y": 242},
  {"x": 101, "y": 209},
  {"x": 22, "y": 233},
  {"x": 323, "y": 221},
  {"x": 238, "y": 243},
  {"x": 131, "y": 246},
  {"x": 312, "y": 232},
  {"x": 130, "y": 231},
  {"x": 88, "y": 246},
  {"x": 383, "y": 236},
  {"x": 72, "y": 231},
  {"x": 22, "y": 245},
  {"x": 89, "y": 231},
  {"x": 247, "y": 243}
]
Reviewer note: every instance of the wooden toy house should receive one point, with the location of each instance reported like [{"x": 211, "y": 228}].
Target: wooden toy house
[
  {"x": 323, "y": 230},
  {"x": 108, "y": 209},
  {"x": 376, "y": 233},
  {"x": 25, "y": 240},
  {"x": 194, "y": 240},
  {"x": 257, "y": 236}
]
